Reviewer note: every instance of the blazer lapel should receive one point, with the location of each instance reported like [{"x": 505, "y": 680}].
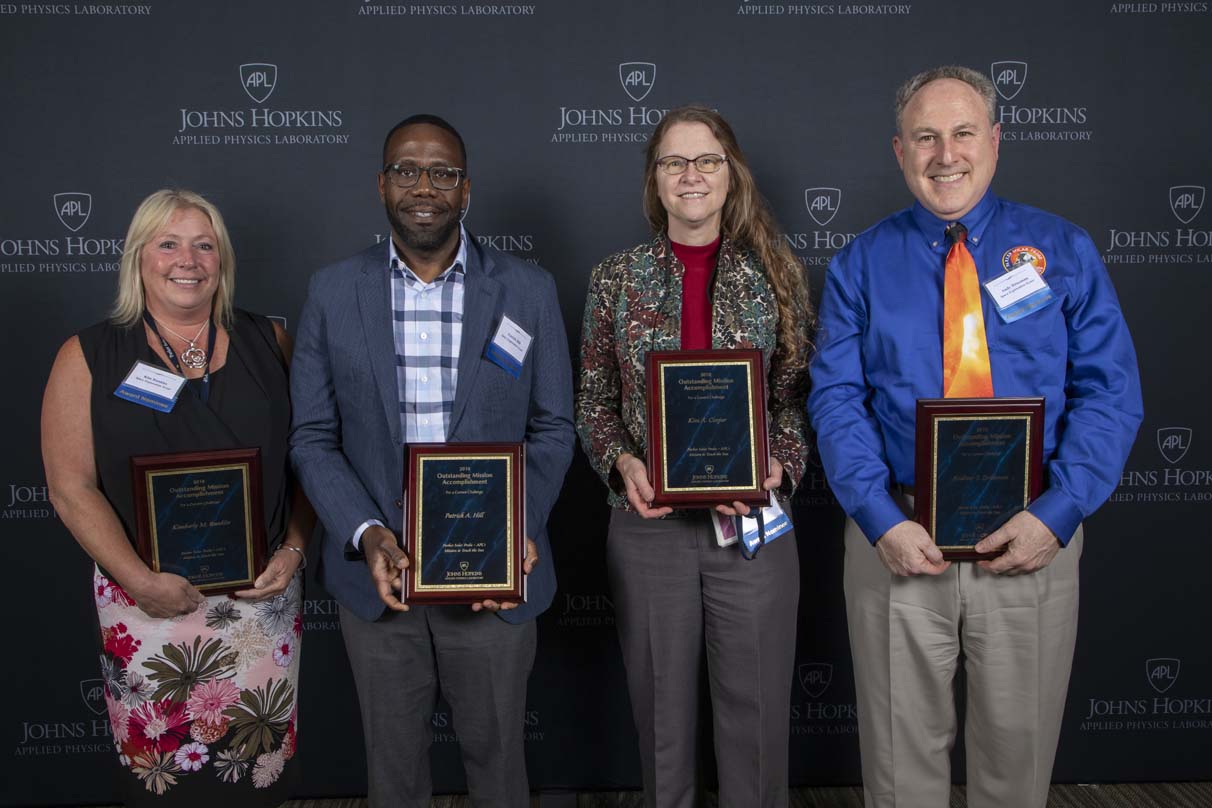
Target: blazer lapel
[
  {"x": 480, "y": 295},
  {"x": 374, "y": 305}
]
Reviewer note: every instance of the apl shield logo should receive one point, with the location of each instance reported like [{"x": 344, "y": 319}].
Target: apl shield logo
[
  {"x": 93, "y": 693},
  {"x": 72, "y": 208},
  {"x": 1162, "y": 673},
  {"x": 258, "y": 80},
  {"x": 823, "y": 204},
  {"x": 464, "y": 565},
  {"x": 1186, "y": 201},
  {"x": 637, "y": 78},
  {"x": 1173, "y": 442},
  {"x": 815, "y": 678},
  {"x": 1009, "y": 78}
]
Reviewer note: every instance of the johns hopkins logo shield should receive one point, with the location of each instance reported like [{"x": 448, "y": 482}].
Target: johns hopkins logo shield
[
  {"x": 93, "y": 693},
  {"x": 823, "y": 204},
  {"x": 815, "y": 678},
  {"x": 1162, "y": 673},
  {"x": 637, "y": 78},
  {"x": 258, "y": 80},
  {"x": 1186, "y": 201},
  {"x": 1173, "y": 442},
  {"x": 72, "y": 208},
  {"x": 1009, "y": 78}
]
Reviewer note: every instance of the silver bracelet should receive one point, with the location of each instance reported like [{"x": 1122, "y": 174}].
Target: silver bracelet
[{"x": 303, "y": 555}]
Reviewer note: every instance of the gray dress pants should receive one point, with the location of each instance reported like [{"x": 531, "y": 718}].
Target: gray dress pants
[
  {"x": 479, "y": 662},
  {"x": 679, "y": 597}
]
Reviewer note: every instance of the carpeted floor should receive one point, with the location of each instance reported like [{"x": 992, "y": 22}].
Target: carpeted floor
[{"x": 1131, "y": 795}]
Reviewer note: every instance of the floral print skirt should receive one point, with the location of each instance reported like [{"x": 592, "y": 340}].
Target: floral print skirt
[{"x": 203, "y": 707}]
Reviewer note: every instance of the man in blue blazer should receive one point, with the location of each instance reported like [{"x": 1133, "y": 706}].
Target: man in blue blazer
[{"x": 393, "y": 348}]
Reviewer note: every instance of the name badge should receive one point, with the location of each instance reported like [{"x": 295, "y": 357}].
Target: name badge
[
  {"x": 151, "y": 386},
  {"x": 1019, "y": 292},
  {"x": 509, "y": 347},
  {"x": 726, "y": 532}
]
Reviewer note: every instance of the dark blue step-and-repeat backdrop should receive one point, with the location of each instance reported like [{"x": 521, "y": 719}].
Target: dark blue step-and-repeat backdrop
[{"x": 276, "y": 110}]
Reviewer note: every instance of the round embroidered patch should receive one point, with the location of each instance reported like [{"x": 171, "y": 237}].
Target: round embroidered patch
[{"x": 1017, "y": 256}]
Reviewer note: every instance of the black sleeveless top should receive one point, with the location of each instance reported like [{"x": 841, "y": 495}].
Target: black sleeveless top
[{"x": 249, "y": 406}]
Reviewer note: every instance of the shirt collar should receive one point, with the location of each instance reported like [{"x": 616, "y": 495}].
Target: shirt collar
[
  {"x": 975, "y": 220},
  {"x": 395, "y": 260}
]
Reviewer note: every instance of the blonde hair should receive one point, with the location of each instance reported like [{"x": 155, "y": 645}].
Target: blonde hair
[
  {"x": 150, "y": 218},
  {"x": 747, "y": 221}
]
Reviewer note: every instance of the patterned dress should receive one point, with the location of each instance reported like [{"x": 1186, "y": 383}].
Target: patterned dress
[{"x": 203, "y": 707}]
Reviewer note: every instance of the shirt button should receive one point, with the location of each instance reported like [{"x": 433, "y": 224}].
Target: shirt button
[
  {"x": 425, "y": 380},
  {"x": 425, "y": 421},
  {"x": 424, "y": 335}
]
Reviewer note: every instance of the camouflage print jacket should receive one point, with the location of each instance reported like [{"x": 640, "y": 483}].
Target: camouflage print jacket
[{"x": 634, "y": 305}]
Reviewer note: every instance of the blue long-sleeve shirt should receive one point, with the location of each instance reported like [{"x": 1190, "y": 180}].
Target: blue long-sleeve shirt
[{"x": 880, "y": 349}]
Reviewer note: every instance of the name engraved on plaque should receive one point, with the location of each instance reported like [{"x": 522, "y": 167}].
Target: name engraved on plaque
[
  {"x": 707, "y": 439},
  {"x": 201, "y": 520},
  {"x": 978, "y": 462},
  {"x": 466, "y": 516},
  {"x": 985, "y": 465}
]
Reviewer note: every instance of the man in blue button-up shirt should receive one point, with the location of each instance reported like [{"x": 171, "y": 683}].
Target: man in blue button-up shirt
[{"x": 880, "y": 349}]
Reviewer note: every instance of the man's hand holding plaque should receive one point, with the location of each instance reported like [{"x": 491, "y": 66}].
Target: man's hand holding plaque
[
  {"x": 388, "y": 565},
  {"x": 1029, "y": 546}
]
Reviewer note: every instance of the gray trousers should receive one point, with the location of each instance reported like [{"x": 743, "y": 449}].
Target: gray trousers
[
  {"x": 479, "y": 662},
  {"x": 679, "y": 597},
  {"x": 1017, "y": 635}
]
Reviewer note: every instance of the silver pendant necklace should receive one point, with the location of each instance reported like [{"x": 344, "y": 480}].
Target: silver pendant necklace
[{"x": 193, "y": 356}]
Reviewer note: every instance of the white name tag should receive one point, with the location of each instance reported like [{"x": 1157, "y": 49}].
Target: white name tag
[
  {"x": 1019, "y": 292},
  {"x": 151, "y": 386},
  {"x": 509, "y": 347}
]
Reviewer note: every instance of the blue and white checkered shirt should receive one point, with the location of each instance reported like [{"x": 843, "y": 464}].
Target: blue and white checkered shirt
[{"x": 427, "y": 324}]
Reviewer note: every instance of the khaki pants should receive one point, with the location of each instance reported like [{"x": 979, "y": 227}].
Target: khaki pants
[{"x": 1017, "y": 635}]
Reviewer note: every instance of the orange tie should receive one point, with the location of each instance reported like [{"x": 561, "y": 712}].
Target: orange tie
[{"x": 966, "y": 370}]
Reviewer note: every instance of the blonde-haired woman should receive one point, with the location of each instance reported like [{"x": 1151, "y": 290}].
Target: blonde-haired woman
[{"x": 201, "y": 691}]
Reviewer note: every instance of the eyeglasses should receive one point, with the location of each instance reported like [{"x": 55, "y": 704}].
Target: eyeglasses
[
  {"x": 704, "y": 163},
  {"x": 443, "y": 178}
]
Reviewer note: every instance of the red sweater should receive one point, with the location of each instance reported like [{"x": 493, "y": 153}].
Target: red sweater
[{"x": 696, "y": 293}]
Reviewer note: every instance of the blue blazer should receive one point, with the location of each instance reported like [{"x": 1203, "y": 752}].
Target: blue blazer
[{"x": 346, "y": 443}]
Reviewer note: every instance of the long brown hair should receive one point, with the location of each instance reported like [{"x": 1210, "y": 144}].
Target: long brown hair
[{"x": 748, "y": 223}]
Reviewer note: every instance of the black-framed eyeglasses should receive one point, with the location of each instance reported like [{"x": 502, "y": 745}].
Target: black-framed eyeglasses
[
  {"x": 704, "y": 163},
  {"x": 443, "y": 178}
]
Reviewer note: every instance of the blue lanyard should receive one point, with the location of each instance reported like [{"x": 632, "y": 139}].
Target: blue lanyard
[
  {"x": 172, "y": 356},
  {"x": 740, "y": 531}
]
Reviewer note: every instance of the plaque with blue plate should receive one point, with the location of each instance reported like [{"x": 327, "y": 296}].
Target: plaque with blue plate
[
  {"x": 200, "y": 515},
  {"x": 464, "y": 522},
  {"x": 707, "y": 428},
  {"x": 979, "y": 461}
]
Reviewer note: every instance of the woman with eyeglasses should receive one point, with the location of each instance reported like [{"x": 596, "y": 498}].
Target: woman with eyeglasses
[
  {"x": 201, "y": 689},
  {"x": 717, "y": 274}
]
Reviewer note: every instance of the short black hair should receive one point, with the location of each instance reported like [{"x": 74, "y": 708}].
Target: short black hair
[{"x": 432, "y": 120}]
